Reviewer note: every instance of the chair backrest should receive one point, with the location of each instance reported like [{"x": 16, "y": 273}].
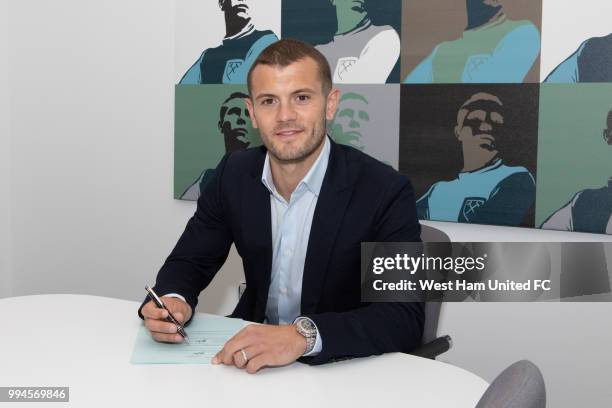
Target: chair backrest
[
  {"x": 519, "y": 386},
  {"x": 432, "y": 309},
  {"x": 432, "y": 315},
  {"x": 431, "y": 234}
]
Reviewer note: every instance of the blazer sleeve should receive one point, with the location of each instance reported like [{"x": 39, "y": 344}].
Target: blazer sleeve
[
  {"x": 377, "y": 328},
  {"x": 202, "y": 248}
]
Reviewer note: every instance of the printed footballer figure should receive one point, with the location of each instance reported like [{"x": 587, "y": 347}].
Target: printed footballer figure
[
  {"x": 492, "y": 49},
  {"x": 351, "y": 115},
  {"x": 360, "y": 52},
  {"x": 235, "y": 126},
  {"x": 589, "y": 210},
  {"x": 230, "y": 62},
  {"x": 486, "y": 191},
  {"x": 592, "y": 62}
]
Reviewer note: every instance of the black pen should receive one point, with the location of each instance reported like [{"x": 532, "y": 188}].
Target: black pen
[{"x": 170, "y": 318}]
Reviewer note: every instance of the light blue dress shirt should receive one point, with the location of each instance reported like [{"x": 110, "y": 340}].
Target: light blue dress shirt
[{"x": 291, "y": 222}]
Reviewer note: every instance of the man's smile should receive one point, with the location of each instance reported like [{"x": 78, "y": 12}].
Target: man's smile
[{"x": 288, "y": 133}]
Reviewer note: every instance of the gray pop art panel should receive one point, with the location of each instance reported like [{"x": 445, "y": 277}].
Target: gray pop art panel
[{"x": 368, "y": 119}]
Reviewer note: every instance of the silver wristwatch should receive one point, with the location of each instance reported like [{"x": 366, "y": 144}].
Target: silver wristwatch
[{"x": 307, "y": 328}]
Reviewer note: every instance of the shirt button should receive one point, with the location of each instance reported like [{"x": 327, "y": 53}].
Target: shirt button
[{"x": 283, "y": 291}]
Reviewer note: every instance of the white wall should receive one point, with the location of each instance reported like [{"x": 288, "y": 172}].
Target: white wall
[
  {"x": 568, "y": 341},
  {"x": 92, "y": 135},
  {"x": 91, "y": 150},
  {"x": 5, "y": 179}
]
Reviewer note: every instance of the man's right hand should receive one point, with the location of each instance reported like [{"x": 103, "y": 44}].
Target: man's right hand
[{"x": 155, "y": 319}]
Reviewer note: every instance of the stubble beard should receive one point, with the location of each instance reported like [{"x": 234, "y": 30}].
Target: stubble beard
[{"x": 299, "y": 153}]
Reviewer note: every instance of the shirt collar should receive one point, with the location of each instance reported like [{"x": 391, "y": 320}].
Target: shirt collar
[
  {"x": 490, "y": 24},
  {"x": 246, "y": 30},
  {"x": 362, "y": 26},
  {"x": 313, "y": 180},
  {"x": 495, "y": 164}
]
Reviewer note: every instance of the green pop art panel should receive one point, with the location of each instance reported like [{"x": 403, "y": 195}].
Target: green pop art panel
[
  {"x": 575, "y": 158},
  {"x": 210, "y": 121}
]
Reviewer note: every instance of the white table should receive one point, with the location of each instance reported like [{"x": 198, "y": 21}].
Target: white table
[{"x": 85, "y": 342}]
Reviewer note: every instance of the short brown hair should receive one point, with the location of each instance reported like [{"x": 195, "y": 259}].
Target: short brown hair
[{"x": 287, "y": 51}]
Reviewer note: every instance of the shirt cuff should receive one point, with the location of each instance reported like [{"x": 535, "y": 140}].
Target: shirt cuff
[
  {"x": 175, "y": 295},
  {"x": 318, "y": 346}
]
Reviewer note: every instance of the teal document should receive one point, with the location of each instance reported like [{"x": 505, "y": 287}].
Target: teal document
[{"x": 207, "y": 335}]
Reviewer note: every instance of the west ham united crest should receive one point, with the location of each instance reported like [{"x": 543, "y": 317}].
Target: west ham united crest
[
  {"x": 344, "y": 65},
  {"x": 230, "y": 68},
  {"x": 470, "y": 206}
]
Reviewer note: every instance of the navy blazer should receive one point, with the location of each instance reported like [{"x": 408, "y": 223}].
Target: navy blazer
[{"x": 361, "y": 200}]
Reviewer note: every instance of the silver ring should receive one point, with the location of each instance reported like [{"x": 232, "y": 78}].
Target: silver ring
[{"x": 244, "y": 355}]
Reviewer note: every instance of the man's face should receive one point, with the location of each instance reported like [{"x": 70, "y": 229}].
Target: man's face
[
  {"x": 290, "y": 109},
  {"x": 236, "y": 8},
  {"x": 235, "y": 125},
  {"x": 354, "y": 5},
  {"x": 352, "y": 115},
  {"x": 479, "y": 125},
  {"x": 607, "y": 133},
  {"x": 480, "y": 12}
]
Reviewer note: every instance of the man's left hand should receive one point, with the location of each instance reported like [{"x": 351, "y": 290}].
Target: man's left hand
[{"x": 263, "y": 345}]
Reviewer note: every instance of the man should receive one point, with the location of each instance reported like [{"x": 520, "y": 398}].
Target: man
[
  {"x": 493, "y": 48},
  {"x": 297, "y": 210},
  {"x": 486, "y": 191},
  {"x": 592, "y": 62},
  {"x": 360, "y": 51},
  {"x": 352, "y": 113},
  {"x": 235, "y": 126},
  {"x": 590, "y": 210},
  {"x": 229, "y": 63}
]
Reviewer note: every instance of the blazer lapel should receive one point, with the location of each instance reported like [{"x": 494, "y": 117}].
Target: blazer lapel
[
  {"x": 329, "y": 213},
  {"x": 257, "y": 227}
]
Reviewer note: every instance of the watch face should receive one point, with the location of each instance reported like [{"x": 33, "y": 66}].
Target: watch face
[{"x": 306, "y": 326}]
